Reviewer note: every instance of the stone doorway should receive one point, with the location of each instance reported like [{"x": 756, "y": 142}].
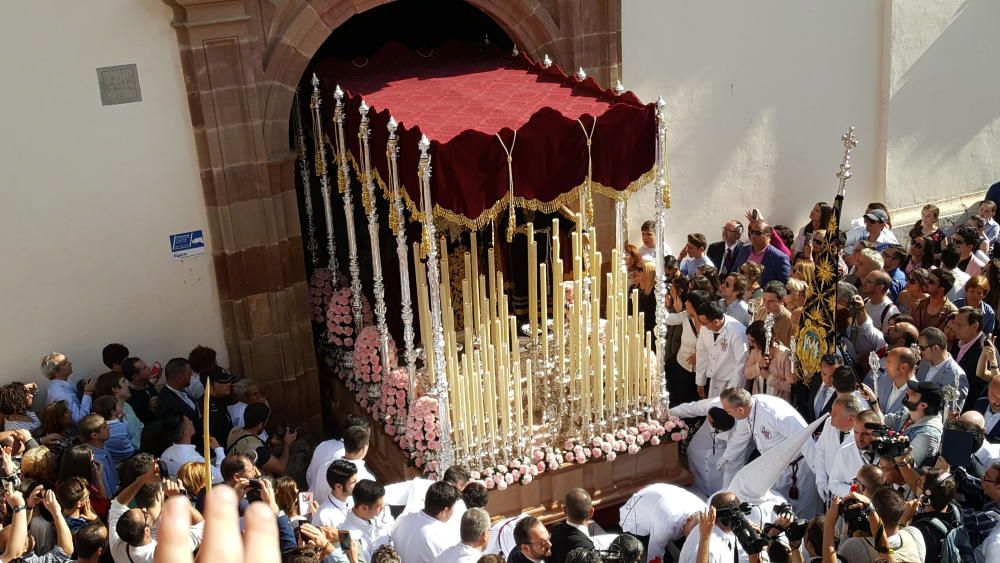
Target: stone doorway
[{"x": 242, "y": 61}]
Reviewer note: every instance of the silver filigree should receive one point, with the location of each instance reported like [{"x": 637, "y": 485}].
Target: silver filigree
[
  {"x": 321, "y": 171},
  {"x": 661, "y": 284},
  {"x": 619, "y": 89},
  {"x": 345, "y": 190},
  {"x": 403, "y": 254},
  {"x": 844, "y": 173},
  {"x": 303, "y": 160},
  {"x": 546, "y": 61},
  {"x": 580, "y": 74}
]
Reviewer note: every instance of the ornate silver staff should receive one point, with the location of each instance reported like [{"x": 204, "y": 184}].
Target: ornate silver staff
[
  {"x": 661, "y": 283},
  {"x": 368, "y": 201},
  {"x": 768, "y": 338},
  {"x": 320, "y": 139},
  {"x": 876, "y": 367},
  {"x": 300, "y": 150},
  {"x": 403, "y": 253},
  {"x": 447, "y": 455},
  {"x": 345, "y": 189},
  {"x": 620, "y": 232}
]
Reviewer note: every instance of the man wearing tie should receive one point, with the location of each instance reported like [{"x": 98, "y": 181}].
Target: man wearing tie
[
  {"x": 822, "y": 393},
  {"x": 989, "y": 407},
  {"x": 938, "y": 366},
  {"x": 900, "y": 364},
  {"x": 724, "y": 252},
  {"x": 572, "y": 533}
]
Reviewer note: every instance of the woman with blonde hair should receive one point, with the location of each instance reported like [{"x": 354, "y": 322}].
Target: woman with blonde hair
[
  {"x": 192, "y": 476},
  {"x": 645, "y": 281},
  {"x": 633, "y": 261},
  {"x": 795, "y": 299},
  {"x": 804, "y": 271},
  {"x": 768, "y": 371}
]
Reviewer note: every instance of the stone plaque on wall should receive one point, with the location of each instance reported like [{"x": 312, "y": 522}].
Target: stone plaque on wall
[{"x": 119, "y": 85}]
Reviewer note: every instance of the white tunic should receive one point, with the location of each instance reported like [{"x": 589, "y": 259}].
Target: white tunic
[
  {"x": 823, "y": 454},
  {"x": 321, "y": 489},
  {"x": 722, "y": 547},
  {"x": 706, "y": 448},
  {"x": 502, "y": 535},
  {"x": 419, "y": 537},
  {"x": 332, "y": 511},
  {"x": 370, "y": 534},
  {"x": 322, "y": 457},
  {"x": 658, "y": 511},
  {"x": 721, "y": 357},
  {"x": 845, "y": 467},
  {"x": 460, "y": 553}
]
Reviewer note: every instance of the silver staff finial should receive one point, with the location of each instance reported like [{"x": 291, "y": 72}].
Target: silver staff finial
[
  {"x": 660, "y": 104},
  {"x": 850, "y": 142},
  {"x": 546, "y": 61},
  {"x": 619, "y": 89},
  {"x": 315, "y": 81},
  {"x": 424, "y": 143},
  {"x": 580, "y": 75},
  {"x": 363, "y": 108},
  {"x": 338, "y": 94},
  {"x": 515, "y": 52},
  {"x": 391, "y": 126}
]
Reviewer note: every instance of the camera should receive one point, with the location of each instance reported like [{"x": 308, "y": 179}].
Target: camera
[
  {"x": 888, "y": 443},
  {"x": 855, "y": 515},
  {"x": 255, "y": 489},
  {"x": 734, "y": 518},
  {"x": 796, "y": 530}
]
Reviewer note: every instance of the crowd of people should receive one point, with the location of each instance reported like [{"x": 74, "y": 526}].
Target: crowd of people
[{"x": 900, "y": 431}]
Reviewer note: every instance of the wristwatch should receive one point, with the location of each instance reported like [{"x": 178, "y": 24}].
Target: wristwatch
[{"x": 17, "y": 509}]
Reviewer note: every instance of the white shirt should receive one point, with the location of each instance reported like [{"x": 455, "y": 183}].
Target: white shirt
[
  {"x": 824, "y": 454},
  {"x": 706, "y": 448},
  {"x": 323, "y": 456},
  {"x": 321, "y": 488},
  {"x": 177, "y": 455},
  {"x": 658, "y": 511},
  {"x": 184, "y": 397},
  {"x": 896, "y": 392},
  {"x": 721, "y": 358},
  {"x": 879, "y": 311},
  {"x": 846, "y": 465},
  {"x": 370, "y": 534},
  {"x": 502, "y": 535},
  {"x": 992, "y": 418},
  {"x": 332, "y": 511},
  {"x": 722, "y": 547},
  {"x": 738, "y": 310},
  {"x": 419, "y": 537},
  {"x": 460, "y": 553},
  {"x": 649, "y": 252},
  {"x": 689, "y": 338},
  {"x": 989, "y": 550},
  {"x": 771, "y": 421},
  {"x": 121, "y": 552},
  {"x": 958, "y": 288}
]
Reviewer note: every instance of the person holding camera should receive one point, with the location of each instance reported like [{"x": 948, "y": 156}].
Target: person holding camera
[
  {"x": 873, "y": 528},
  {"x": 713, "y": 540},
  {"x": 938, "y": 517},
  {"x": 921, "y": 424},
  {"x": 246, "y": 440}
]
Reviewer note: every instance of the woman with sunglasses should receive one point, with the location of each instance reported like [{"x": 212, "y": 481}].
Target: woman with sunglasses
[
  {"x": 914, "y": 291},
  {"x": 16, "y": 400},
  {"x": 921, "y": 254}
]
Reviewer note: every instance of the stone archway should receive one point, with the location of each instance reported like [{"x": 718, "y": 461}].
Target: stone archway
[{"x": 242, "y": 60}]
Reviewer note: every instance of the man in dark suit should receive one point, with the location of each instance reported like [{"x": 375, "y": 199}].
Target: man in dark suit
[
  {"x": 533, "y": 542},
  {"x": 572, "y": 533},
  {"x": 821, "y": 390},
  {"x": 775, "y": 262},
  {"x": 989, "y": 407},
  {"x": 723, "y": 253},
  {"x": 968, "y": 346},
  {"x": 173, "y": 399}
]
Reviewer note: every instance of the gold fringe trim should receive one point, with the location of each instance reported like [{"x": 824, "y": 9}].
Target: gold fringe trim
[{"x": 501, "y": 205}]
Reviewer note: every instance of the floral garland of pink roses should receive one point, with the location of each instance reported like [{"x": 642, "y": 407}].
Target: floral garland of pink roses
[
  {"x": 392, "y": 404},
  {"x": 420, "y": 437},
  {"x": 608, "y": 446},
  {"x": 340, "y": 317},
  {"x": 320, "y": 292},
  {"x": 366, "y": 377}
]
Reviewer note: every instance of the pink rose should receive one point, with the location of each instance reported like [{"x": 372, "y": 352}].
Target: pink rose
[
  {"x": 502, "y": 485},
  {"x": 596, "y": 442},
  {"x": 645, "y": 436},
  {"x": 633, "y": 449},
  {"x": 348, "y": 342},
  {"x": 568, "y": 445},
  {"x": 421, "y": 447},
  {"x": 527, "y": 479},
  {"x": 612, "y": 456},
  {"x": 676, "y": 436},
  {"x": 669, "y": 425},
  {"x": 606, "y": 447},
  {"x": 578, "y": 450},
  {"x": 431, "y": 436},
  {"x": 569, "y": 457},
  {"x": 475, "y": 476},
  {"x": 509, "y": 478},
  {"x": 434, "y": 446},
  {"x": 541, "y": 467},
  {"x": 516, "y": 473},
  {"x": 655, "y": 440},
  {"x": 490, "y": 483},
  {"x": 390, "y": 430},
  {"x": 553, "y": 466},
  {"x": 620, "y": 434},
  {"x": 595, "y": 453},
  {"x": 630, "y": 439}
]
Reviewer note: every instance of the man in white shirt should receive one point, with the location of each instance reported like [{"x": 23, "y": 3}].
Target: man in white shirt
[
  {"x": 341, "y": 477},
  {"x": 732, "y": 290},
  {"x": 769, "y": 420},
  {"x": 939, "y": 367},
  {"x": 368, "y": 522},
  {"x": 411, "y": 494},
  {"x": 853, "y": 455},
  {"x": 183, "y": 451},
  {"x": 422, "y": 536},
  {"x": 837, "y": 431},
  {"x": 721, "y": 351},
  {"x": 355, "y": 449},
  {"x": 648, "y": 249},
  {"x": 475, "y": 533},
  {"x": 950, "y": 256},
  {"x": 708, "y": 444},
  {"x": 875, "y": 286},
  {"x": 57, "y": 368},
  {"x": 662, "y": 513},
  {"x": 131, "y": 531},
  {"x": 719, "y": 540},
  {"x": 322, "y": 457}
]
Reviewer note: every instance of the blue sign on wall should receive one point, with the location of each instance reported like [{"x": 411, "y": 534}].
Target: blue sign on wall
[{"x": 186, "y": 245}]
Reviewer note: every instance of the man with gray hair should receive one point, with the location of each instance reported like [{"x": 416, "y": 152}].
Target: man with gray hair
[
  {"x": 57, "y": 368},
  {"x": 769, "y": 421},
  {"x": 837, "y": 431},
  {"x": 475, "y": 533}
]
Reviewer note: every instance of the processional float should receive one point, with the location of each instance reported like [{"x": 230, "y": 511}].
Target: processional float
[{"x": 585, "y": 374}]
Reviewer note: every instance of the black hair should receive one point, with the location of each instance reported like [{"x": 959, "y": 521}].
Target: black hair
[
  {"x": 440, "y": 496},
  {"x": 367, "y": 492},
  {"x": 475, "y": 495},
  {"x": 522, "y": 530},
  {"x": 232, "y": 464},
  {"x": 129, "y": 368},
  {"x": 844, "y": 380},
  {"x": 712, "y": 310},
  {"x": 339, "y": 472},
  {"x": 89, "y": 539},
  {"x": 456, "y": 474},
  {"x": 356, "y": 438},
  {"x": 114, "y": 354},
  {"x": 175, "y": 368},
  {"x": 777, "y": 288}
]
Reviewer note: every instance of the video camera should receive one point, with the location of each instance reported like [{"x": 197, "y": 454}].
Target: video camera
[
  {"x": 734, "y": 518},
  {"x": 888, "y": 443},
  {"x": 796, "y": 530},
  {"x": 855, "y": 515}
]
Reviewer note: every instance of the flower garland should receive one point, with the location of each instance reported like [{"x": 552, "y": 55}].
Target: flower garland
[
  {"x": 420, "y": 436},
  {"x": 340, "y": 317},
  {"x": 392, "y": 403},
  {"x": 366, "y": 377},
  {"x": 607, "y": 447},
  {"x": 320, "y": 291}
]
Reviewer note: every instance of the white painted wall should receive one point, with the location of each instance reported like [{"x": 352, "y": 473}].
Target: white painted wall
[
  {"x": 89, "y": 194},
  {"x": 758, "y": 95},
  {"x": 944, "y": 113}
]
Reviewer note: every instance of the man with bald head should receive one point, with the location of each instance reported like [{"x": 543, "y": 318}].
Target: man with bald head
[
  {"x": 724, "y": 252},
  {"x": 901, "y": 334},
  {"x": 989, "y": 407},
  {"x": 775, "y": 262},
  {"x": 880, "y": 308}
]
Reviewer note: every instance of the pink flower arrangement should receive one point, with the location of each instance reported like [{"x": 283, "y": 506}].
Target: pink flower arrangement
[
  {"x": 340, "y": 317},
  {"x": 366, "y": 377},
  {"x": 320, "y": 291}
]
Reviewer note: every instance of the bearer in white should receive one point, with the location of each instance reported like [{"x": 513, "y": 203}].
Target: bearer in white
[
  {"x": 708, "y": 444},
  {"x": 475, "y": 531},
  {"x": 721, "y": 352},
  {"x": 661, "y": 512},
  {"x": 768, "y": 421},
  {"x": 837, "y": 432}
]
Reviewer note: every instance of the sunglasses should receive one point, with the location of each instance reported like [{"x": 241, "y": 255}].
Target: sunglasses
[{"x": 754, "y": 233}]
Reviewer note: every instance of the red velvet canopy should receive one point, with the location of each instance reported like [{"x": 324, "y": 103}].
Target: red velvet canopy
[{"x": 461, "y": 96}]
